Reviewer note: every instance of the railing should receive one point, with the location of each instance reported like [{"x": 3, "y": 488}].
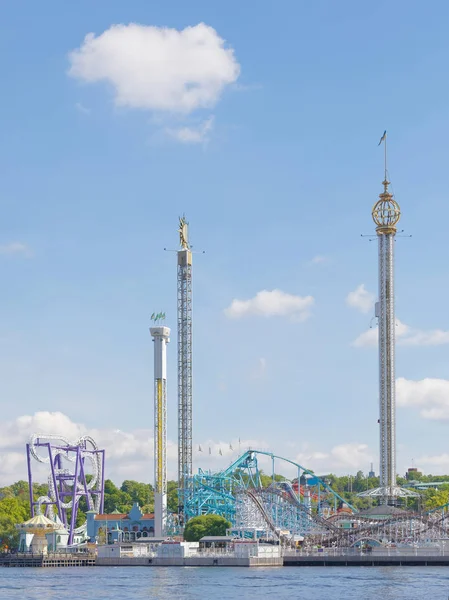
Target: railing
[
  {"x": 50, "y": 555},
  {"x": 378, "y": 551}
]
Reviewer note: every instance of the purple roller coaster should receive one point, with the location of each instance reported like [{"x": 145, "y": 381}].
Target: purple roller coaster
[{"x": 76, "y": 470}]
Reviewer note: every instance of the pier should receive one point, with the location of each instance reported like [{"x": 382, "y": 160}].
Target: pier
[
  {"x": 52, "y": 559},
  {"x": 379, "y": 557}
]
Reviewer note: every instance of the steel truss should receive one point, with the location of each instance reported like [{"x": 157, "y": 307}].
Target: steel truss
[
  {"x": 68, "y": 479},
  {"x": 405, "y": 528},
  {"x": 386, "y": 214},
  {"x": 238, "y": 495},
  {"x": 184, "y": 365}
]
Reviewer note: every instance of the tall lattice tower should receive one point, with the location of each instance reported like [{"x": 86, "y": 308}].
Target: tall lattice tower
[
  {"x": 161, "y": 337},
  {"x": 386, "y": 214},
  {"x": 184, "y": 362}
]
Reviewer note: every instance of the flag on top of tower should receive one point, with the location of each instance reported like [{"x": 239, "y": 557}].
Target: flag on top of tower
[
  {"x": 199, "y": 448},
  {"x": 220, "y": 452},
  {"x": 152, "y": 317},
  {"x": 383, "y": 138}
]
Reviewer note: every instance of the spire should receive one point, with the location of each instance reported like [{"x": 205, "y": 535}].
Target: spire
[{"x": 386, "y": 212}]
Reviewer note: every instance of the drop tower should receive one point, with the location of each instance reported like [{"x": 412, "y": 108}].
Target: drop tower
[
  {"x": 161, "y": 337},
  {"x": 386, "y": 214}
]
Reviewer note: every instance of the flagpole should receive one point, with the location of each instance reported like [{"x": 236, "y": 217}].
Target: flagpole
[{"x": 385, "y": 144}]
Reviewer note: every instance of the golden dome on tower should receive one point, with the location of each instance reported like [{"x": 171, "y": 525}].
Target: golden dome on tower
[{"x": 386, "y": 212}]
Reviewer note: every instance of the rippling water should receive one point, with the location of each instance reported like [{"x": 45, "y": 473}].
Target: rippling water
[{"x": 204, "y": 583}]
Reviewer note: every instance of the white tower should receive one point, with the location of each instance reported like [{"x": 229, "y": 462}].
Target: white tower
[{"x": 161, "y": 337}]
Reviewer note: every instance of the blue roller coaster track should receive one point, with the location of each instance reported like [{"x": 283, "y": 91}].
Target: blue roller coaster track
[{"x": 237, "y": 494}]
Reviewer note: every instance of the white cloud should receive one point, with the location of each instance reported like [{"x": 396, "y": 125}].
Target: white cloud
[
  {"x": 435, "y": 337},
  {"x": 438, "y": 465},
  {"x": 361, "y": 299},
  {"x": 82, "y": 109},
  {"x": 158, "y": 68},
  {"x": 193, "y": 135},
  {"x": 16, "y": 248},
  {"x": 318, "y": 260},
  {"x": 124, "y": 451},
  {"x": 259, "y": 371},
  {"x": 274, "y": 303},
  {"x": 340, "y": 459},
  {"x": 128, "y": 453},
  {"x": 366, "y": 339},
  {"x": 405, "y": 336},
  {"x": 430, "y": 395}
]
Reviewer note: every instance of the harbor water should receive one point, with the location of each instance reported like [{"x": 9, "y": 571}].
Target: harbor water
[{"x": 189, "y": 583}]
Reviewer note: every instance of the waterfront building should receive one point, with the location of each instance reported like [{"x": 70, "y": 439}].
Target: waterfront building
[{"x": 120, "y": 527}]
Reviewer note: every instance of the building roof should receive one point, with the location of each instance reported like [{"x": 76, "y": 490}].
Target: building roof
[
  {"x": 40, "y": 522},
  {"x": 382, "y": 511},
  {"x": 149, "y": 540},
  {"x": 217, "y": 538},
  {"x": 115, "y": 516}
]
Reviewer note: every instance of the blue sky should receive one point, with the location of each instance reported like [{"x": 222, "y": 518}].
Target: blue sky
[{"x": 281, "y": 167}]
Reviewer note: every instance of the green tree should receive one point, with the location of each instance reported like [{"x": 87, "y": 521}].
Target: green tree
[
  {"x": 142, "y": 493},
  {"x": 115, "y": 499},
  {"x": 12, "y": 511},
  {"x": 172, "y": 496},
  {"x": 198, "y": 527},
  {"x": 436, "y": 498}
]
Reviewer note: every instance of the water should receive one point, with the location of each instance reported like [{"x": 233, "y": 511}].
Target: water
[{"x": 203, "y": 583}]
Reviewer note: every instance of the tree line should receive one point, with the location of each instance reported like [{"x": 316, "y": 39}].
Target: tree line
[{"x": 15, "y": 505}]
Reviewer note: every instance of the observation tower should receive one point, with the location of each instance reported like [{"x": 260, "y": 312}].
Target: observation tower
[
  {"x": 184, "y": 362},
  {"x": 161, "y": 337},
  {"x": 386, "y": 214}
]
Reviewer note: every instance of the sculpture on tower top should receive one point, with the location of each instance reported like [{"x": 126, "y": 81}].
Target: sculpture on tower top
[{"x": 183, "y": 233}]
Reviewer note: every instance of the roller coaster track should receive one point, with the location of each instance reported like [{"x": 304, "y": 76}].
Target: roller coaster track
[
  {"x": 292, "y": 499},
  {"x": 396, "y": 529},
  {"x": 262, "y": 498},
  {"x": 261, "y": 508}
]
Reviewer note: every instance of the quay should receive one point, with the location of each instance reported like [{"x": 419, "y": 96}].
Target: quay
[
  {"x": 52, "y": 559},
  {"x": 378, "y": 557},
  {"x": 348, "y": 557}
]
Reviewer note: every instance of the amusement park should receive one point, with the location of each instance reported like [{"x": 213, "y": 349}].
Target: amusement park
[{"x": 255, "y": 500}]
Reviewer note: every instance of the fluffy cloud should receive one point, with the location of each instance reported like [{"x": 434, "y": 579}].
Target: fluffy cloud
[
  {"x": 361, "y": 299},
  {"x": 431, "y": 396},
  {"x": 370, "y": 337},
  {"x": 405, "y": 336},
  {"x": 435, "y": 337},
  {"x": 273, "y": 303},
  {"x": 16, "y": 248},
  {"x": 82, "y": 109},
  {"x": 192, "y": 135},
  {"x": 318, "y": 260},
  {"x": 367, "y": 338},
  {"x": 129, "y": 454},
  {"x": 157, "y": 68},
  {"x": 341, "y": 458},
  {"x": 438, "y": 465},
  {"x": 125, "y": 452}
]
